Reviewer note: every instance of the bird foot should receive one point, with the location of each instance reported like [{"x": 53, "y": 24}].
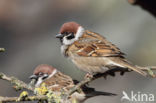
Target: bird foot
[
  {"x": 88, "y": 76},
  {"x": 112, "y": 72}
]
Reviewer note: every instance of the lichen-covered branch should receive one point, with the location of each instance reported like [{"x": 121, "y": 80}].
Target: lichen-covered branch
[
  {"x": 149, "y": 69},
  {"x": 49, "y": 96},
  {"x": 17, "y": 99},
  {"x": 2, "y": 49},
  {"x": 16, "y": 82}
]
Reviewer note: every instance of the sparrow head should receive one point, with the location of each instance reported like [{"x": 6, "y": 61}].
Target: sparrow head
[
  {"x": 70, "y": 32},
  {"x": 42, "y": 72}
]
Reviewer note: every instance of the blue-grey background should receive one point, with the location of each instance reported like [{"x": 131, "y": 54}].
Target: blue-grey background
[{"x": 28, "y": 29}]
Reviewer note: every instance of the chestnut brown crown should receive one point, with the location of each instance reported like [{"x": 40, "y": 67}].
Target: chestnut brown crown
[
  {"x": 44, "y": 68},
  {"x": 69, "y": 27}
]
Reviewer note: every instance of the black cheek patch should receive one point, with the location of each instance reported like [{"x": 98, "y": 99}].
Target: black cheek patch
[
  {"x": 45, "y": 76},
  {"x": 71, "y": 36}
]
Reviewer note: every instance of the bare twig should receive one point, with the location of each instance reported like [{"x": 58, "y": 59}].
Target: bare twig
[
  {"x": 147, "y": 68},
  {"x": 18, "y": 84},
  {"x": 88, "y": 80},
  {"x": 76, "y": 87}
]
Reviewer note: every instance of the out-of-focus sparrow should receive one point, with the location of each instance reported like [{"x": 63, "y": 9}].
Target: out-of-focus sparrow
[
  {"x": 90, "y": 51},
  {"x": 57, "y": 82}
]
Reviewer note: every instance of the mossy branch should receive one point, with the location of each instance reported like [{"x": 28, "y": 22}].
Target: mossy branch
[
  {"x": 17, "y": 99},
  {"x": 18, "y": 84},
  {"x": 2, "y": 49},
  {"x": 50, "y": 97}
]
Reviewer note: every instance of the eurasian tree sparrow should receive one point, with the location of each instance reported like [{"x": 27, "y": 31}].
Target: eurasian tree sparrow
[
  {"x": 90, "y": 51},
  {"x": 57, "y": 81}
]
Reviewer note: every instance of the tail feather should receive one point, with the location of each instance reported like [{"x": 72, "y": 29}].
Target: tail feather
[
  {"x": 99, "y": 93},
  {"x": 134, "y": 68}
]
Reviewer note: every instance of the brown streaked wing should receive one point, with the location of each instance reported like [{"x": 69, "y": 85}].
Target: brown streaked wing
[
  {"x": 63, "y": 82},
  {"x": 93, "y": 44}
]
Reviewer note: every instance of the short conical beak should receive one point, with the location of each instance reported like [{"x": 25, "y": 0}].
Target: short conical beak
[
  {"x": 33, "y": 77},
  {"x": 59, "y": 36}
]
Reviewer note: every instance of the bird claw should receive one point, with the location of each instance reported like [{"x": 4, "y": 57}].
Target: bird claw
[
  {"x": 112, "y": 74},
  {"x": 113, "y": 71},
  {"x": 88, "y": 76},
  {"x": 122, "y": 73},
  {"x": 105, "y": 77}
]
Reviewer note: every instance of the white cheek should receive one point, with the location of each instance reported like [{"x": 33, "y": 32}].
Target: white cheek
[
  {"x": 79, "y": 33},
  {"x": 39, "y": 82},
  {"x": 68, "y": 42}
]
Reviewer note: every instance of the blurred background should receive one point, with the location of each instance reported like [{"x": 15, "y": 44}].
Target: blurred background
[{"x": 28, "y": 29}]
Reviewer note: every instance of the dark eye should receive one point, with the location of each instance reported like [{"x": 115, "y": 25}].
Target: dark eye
[
  {"x": 65, "y": 33},
  {"x": 40, "y": 74},
  {"x": 70, "y": 36}
]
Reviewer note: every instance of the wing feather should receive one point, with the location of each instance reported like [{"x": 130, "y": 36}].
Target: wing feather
[{"x": 93, "y": 44}]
